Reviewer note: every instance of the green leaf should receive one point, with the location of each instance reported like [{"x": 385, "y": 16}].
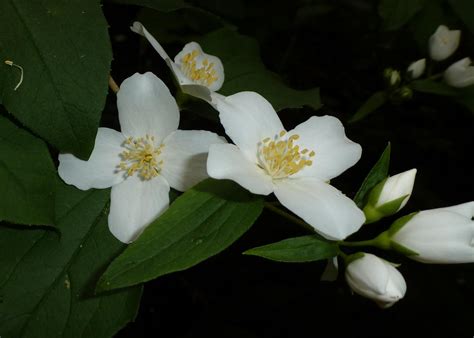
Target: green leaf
[
  {"x": 378, "y": 173},
  {"x": 199, "y": 224},
  {"x": 244, "y": 71},
  {"x": 27, "y": 176},
  {"x": 64, "y": 49},
  {"x": 47, "y": 281},
  {"x": 373, "y": 103},
  {"x": 433, "y": 87},
  {"x": 465, "y": 10},
  {"x": 296, "y": 250},
  {"x": 396, "y": 13}
]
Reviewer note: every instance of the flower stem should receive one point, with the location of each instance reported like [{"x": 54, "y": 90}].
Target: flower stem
[
  {"x": 113, "y": 85},
  {"x": 369, "y": 242},
  {"x": 270, "y": 206}
]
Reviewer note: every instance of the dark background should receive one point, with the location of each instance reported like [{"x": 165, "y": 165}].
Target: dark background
[{"x": 343, "y": 48}]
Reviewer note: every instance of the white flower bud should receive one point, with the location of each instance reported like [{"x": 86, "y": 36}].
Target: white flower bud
[
  {"x": 417, "y": 68},
  {"x": 443, "y": 43},
  {"x": 444, "y": 235},
  {"x": 376, "y": 279},
  {"x": 460, "y": 74},
  {"x": 390, "y": 195}
]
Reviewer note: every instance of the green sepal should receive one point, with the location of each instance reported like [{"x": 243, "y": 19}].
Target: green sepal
[
  {"x": 350, "y": 258},
  {"x": 403, "y": 249},
  {"x": 393, "y": 206},
  {"x": 400, "y": 223}
]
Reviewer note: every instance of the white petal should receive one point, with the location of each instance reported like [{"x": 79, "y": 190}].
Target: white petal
[
  {"x": 136, "y": 203},
  {"x": 199, "y": 91},
  {"x": 100, "y": 170},
  {"x": 226, "y": 161},
  {"x": 146, "y": 106},
  {"x": 464, "y": 209},
  {"x": 185, "y": 155},
  {"x": 331, "y": 213},
  {"x": 247, "y": 118},
  {"x": 200, "y": 58},
  {"x": 335, "y": 153},
  {"x": 140, "y": 29},
  {"x": 397, "y": 186}
]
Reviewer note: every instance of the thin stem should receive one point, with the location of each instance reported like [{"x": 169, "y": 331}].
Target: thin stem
[
  {"x": 435, "y": 76},
  {"x": 289, "y": 217},
  {"x": 369, "y": 242},
  {"x": 113, "y": 85}
]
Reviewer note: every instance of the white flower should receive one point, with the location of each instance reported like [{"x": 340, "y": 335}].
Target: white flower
[
  {"x": 376, "y": 279},
  {"x": 460, "y": 74},
  {"x": 198, "y": 74},
  {"x": 417, "y": 68},
  {"x": 295, "y": 165},
  {"x": 443, "y": 43},
  {"x": 444, "y": 235},
  {"x": 390, "y": 195},
  {"x": 144, "y": 160}
]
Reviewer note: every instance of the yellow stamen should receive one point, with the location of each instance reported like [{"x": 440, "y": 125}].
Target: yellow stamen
[
  {"x": 141, "y": 157},
  {"x": 205, "y": 75},
  {"x": 281, "y": 158}
]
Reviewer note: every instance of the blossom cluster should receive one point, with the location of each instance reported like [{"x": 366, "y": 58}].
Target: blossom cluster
[{"x": 150, "y": 155}]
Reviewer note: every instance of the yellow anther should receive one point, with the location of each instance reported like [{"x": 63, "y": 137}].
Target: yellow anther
[
  {"x": 141, "y": 156},
  {"x": 205, "y": 75},
  {"x": 281, "y": 158}
]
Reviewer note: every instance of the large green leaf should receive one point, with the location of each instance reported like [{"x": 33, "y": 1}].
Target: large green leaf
[
  {"x": 378, "y": 173},
  {"x": 396, "y": 13},
  {"x": 159, "y": 5},
  {"x": 47, "y": 280},
  {"x": 296, "y": 250},
  {"x": 199, "y": 224},
  {"x": 244, "y": 71},
  {"x": 64, "y": 49},
  {"x": 27, "y": 177}
]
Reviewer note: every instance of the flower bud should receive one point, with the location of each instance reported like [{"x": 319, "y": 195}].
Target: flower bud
[
  {"x": 389, "y": 196},
  {"x": 392, "y": 76},
  {"x": 444, "y": 235},
  {"x": 460, "y": 74},
  {"x": 417, "y": 68},
  {"x": 443, "y": 43},
  {"x": 376, "y": 279}
]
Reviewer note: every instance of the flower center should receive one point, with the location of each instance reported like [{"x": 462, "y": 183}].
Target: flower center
[
  {"x": 281, "y": 157},
  {"x": 205, "y": 75},
  {"x": 141, "y": 156}
]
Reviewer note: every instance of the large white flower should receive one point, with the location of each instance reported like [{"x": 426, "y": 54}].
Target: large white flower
[
  {"x": 144, "y": 160},
  {"x": 198, "y": 74},
  {"x": 295, "y": 165}
]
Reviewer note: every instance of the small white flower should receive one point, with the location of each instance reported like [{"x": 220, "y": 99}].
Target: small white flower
[
  {"x": 460, "y": 74},
  {"x": 444, "y": 235},
  {"x": 144, "y": 160},
  {"x": 376, "y": 279},
  {"x": 198, "y": 74},
  {"x": 443, "y": 43},
  {"x": 295, "y": 165},
  {"x": 417, "y": 68},
  {"x": 389, "y": 196}
]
